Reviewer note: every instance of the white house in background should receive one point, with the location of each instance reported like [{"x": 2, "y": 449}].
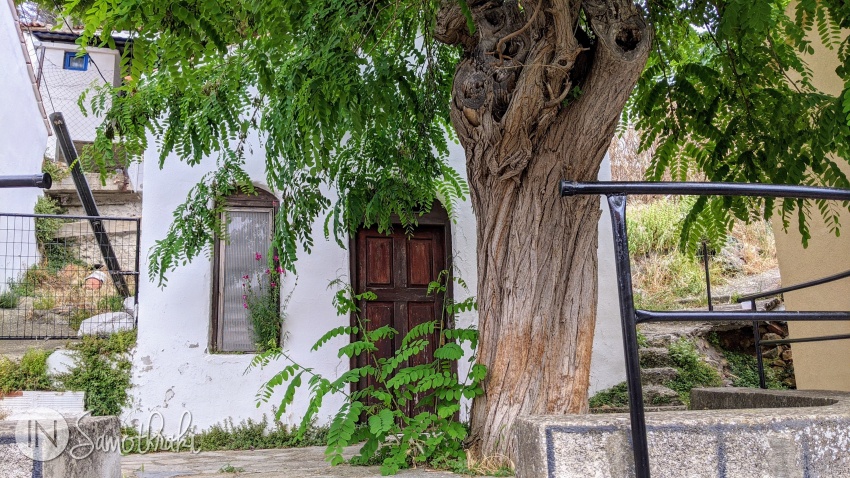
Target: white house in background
[
  {"x": 63, "y": 75},
  {"x": 194, "y": 345},
  {"x": 23, "y": 136}
]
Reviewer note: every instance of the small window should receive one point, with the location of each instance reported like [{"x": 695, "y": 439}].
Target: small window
[
  {"x": 240, "y": 262},
  {"x": 74, "y": 62}
]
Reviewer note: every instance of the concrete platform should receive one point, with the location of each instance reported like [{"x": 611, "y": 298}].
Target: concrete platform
[
  {"x": 810, "y": 437},
  {"x": 278, "y": 463}
]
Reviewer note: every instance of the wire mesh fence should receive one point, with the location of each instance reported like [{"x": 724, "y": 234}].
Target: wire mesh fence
[{"x": 54, "y": 281}]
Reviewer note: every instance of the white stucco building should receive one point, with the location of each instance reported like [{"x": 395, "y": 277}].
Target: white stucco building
[
  {"x": 181, "y": 363},
  {"x": 63, "y": 75},
  {"x": 23, "y": 136}
]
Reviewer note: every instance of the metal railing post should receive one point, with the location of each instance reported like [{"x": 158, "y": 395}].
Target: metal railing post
[
  {"x": 707, "y": 276},
  {"x": 757, "y": 340},
  {"x": 640, "y": 449}
]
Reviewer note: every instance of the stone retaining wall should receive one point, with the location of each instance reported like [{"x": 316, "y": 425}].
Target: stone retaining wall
[{"x": 810, "y": 439}]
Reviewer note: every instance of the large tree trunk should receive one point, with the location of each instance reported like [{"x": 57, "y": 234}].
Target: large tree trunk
[{"x": 535, "y": 100}]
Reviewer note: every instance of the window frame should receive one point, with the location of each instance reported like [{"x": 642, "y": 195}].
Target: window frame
[
  {"x": 263, "y": 201},
  {"x": 69, "y": 55}
]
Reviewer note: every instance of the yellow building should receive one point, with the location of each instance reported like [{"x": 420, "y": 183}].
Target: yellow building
[{"x": 819, "y": 365}]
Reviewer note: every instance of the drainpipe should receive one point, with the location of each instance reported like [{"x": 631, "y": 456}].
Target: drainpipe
[{"x": 43, "y": 181}]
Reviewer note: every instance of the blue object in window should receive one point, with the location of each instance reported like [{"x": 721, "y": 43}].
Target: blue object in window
[{"x": 74, "y": 62}]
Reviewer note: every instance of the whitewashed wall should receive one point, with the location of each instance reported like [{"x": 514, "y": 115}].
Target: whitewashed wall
[
  {"x": 173, "y": 372},
  {"x": 23, "y": 135}
]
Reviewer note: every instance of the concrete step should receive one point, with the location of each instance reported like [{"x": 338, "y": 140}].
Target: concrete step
[
  {"x": 660, "y": 395},
  {"x": 652, "y": 357},
  {"x": 83, "y": 228},
  {"x": 117, "y": 190},
  {"x": 658, "y": 375}
]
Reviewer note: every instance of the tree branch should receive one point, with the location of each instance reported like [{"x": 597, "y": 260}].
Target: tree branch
[{"x": 451, "y": 27}]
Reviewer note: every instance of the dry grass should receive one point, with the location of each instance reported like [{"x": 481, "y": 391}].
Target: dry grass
[
  {"x": 494, "y": 465},
  {"x": 758, "y": 247},
  {"x": 64, "y": 293},
  {"x": 662, "y": 273}
]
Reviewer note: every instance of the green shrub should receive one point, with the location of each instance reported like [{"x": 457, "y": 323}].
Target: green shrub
[
  {"x": 46, "y": 228},
  {"x": 744, "y": 369},
  {"x": 263, "y": 304},
  {"x": 27, "y": 284},
  {"x": 77, "y": 318},
  {"x": 57, "y": 170},
  {"x": 250, "y": 434},
  {"x": 30, "y": 373},
  {"x": 9, "y": 299},
  {"x": 616, "y": 396},
  {"x": 111, "y": 303},
  {"x": 693, "y": 371},
  {"x": 656, "y": 226},
  {"x": 389, "y": 436},
  {"x": 45, "y": 302},
  {"x": 102, "y": 370},
  {"x": 247, "y": 435},
  {"x": 59, "y": 253}
]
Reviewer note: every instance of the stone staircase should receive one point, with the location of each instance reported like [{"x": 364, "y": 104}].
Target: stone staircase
[{"x": 657, "y": 369}]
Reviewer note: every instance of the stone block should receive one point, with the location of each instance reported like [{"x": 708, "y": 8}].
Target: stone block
[
  {"x": 809, "y": 437},
  {"x": 106, "y": 324},
  {"x": 92, "y": 449}
]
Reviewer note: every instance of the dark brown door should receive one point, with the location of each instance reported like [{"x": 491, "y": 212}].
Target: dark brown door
[{"x": 398, "y": 269}]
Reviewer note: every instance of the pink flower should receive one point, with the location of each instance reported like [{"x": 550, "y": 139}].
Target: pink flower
[
  {"x": 279, "y": 269},
  {"x": 245, "y": 304},
  {"x": 245, "y": 277},
  {"x": 244, "y": 296},
  {"x": 274, "y": 285},
  {"x": 258, "y": 256},
  {"x": 267, "y": 271},
  {"x": 276, "y": 258}
]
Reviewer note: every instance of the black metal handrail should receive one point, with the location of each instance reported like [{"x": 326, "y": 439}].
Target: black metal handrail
[
  {"x": 751, "y": 298},
  {"x": 791, "y": 288},
  {"x": 616, "y": 193}
]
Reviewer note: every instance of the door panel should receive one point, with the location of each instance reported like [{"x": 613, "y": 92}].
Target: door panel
[
  {"x": 419, "y": 262},
  {"x": 379, "y": 253}
]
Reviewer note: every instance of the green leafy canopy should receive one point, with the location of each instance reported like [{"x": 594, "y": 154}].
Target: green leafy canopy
[
  {"x": 352, "y": 97},
  {"x": 344, "y": 95},
  {"x": 727, "y": 94}
]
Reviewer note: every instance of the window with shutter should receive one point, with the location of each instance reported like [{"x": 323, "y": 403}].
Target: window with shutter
[{"x": 239, "y": 262}]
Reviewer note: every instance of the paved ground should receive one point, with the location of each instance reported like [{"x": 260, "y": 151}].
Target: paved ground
[
  {"x": 280, "y": 463},
  {"x": 15, "y": 349}
]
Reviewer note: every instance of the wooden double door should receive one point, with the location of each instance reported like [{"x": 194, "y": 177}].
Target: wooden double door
[{"x": 398, "y": 269}]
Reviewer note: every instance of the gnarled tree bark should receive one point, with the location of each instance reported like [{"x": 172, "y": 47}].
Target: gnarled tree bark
[{"x": 536, "y": 97}]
